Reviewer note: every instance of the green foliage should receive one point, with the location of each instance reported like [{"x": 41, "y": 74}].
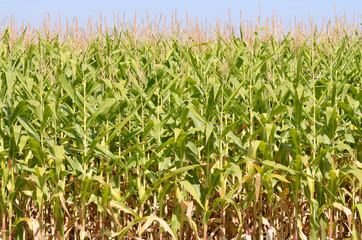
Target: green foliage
[{"x": 128, "y": 138}]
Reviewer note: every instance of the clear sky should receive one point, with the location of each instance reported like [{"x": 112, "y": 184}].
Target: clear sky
[{"x": 33, "y": 10}]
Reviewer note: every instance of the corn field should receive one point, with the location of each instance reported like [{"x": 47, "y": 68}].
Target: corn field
[{"x": 139, "y": 133}]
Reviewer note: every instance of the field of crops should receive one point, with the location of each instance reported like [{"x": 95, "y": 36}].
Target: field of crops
[{"x": 230, "y": 136}]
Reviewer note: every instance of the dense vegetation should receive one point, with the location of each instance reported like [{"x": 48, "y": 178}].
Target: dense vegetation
[{"x": 162, "y": 139}]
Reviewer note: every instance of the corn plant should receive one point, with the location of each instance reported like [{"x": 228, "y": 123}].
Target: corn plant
[{"x": 160, "y": 138}]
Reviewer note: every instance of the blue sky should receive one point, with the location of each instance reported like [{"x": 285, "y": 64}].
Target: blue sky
[{"x": 33, "y": 11}]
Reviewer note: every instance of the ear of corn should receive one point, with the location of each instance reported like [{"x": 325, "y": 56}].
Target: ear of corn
[{"x": 160, "y": 138}]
